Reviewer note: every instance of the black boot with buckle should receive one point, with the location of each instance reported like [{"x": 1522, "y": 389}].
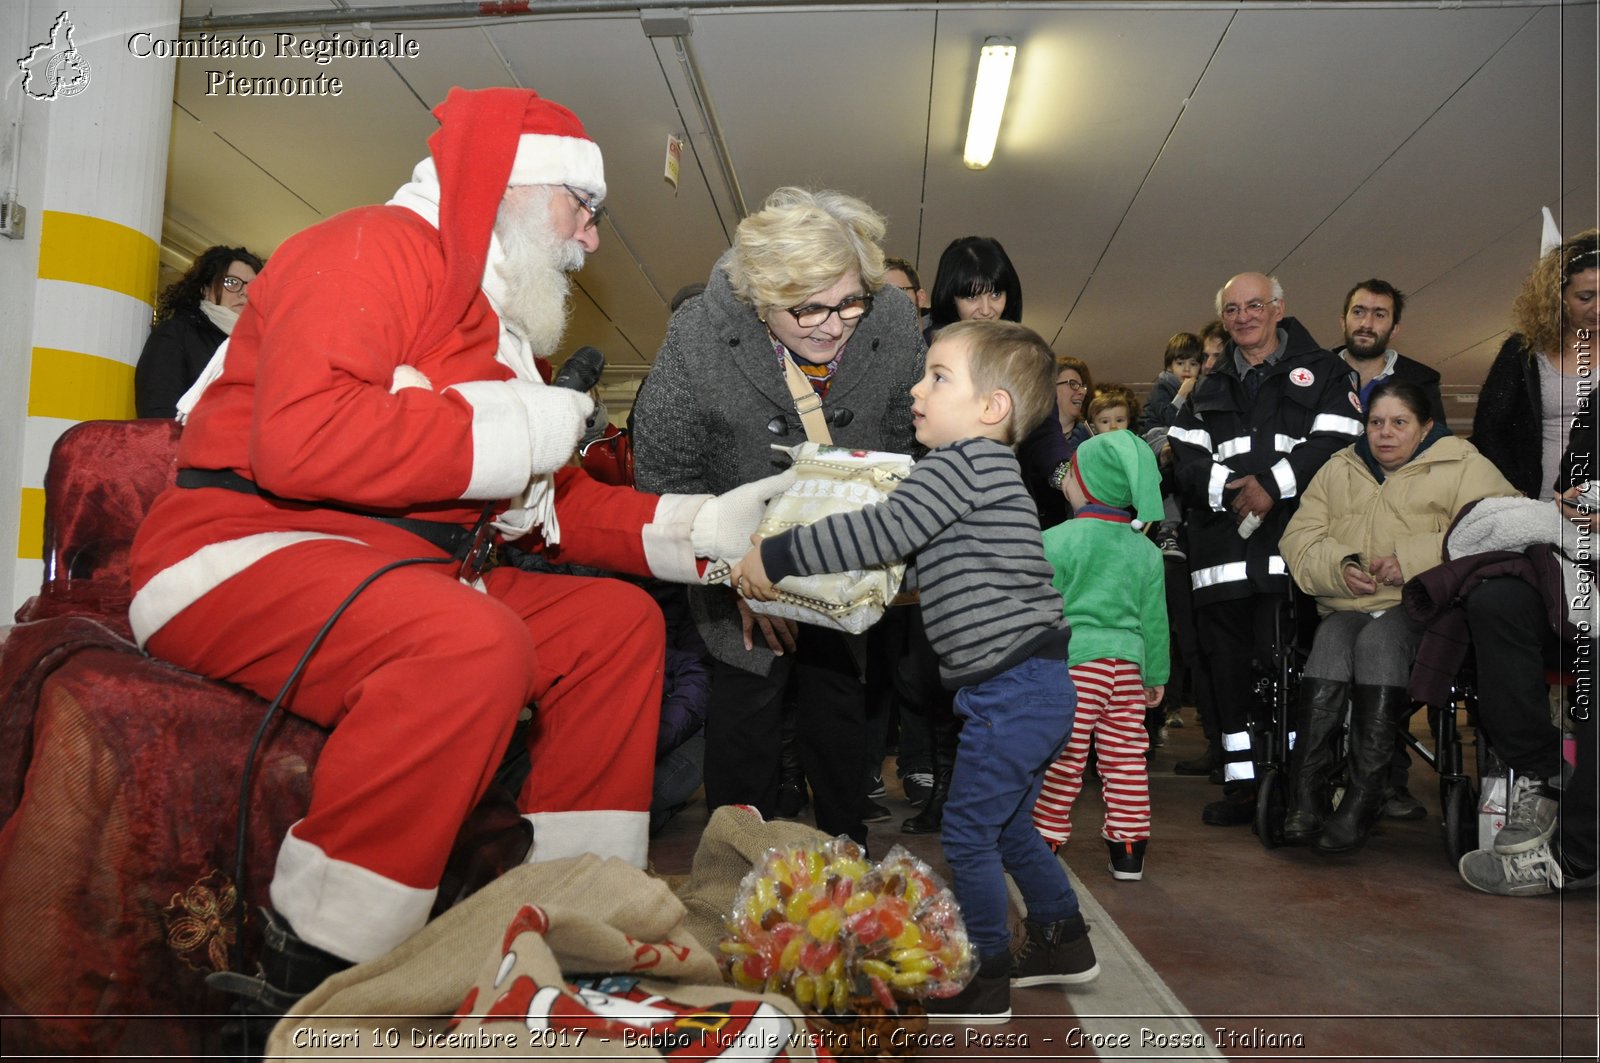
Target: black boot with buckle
[
  {"x": 1316, "y": 730},
  {"x": 289, "y": 969}
]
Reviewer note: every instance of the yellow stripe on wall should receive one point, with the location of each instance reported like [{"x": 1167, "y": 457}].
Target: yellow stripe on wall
[
  {"x": 79, "y": 387},
  {"x": 30, "y": 537},
  {"x": 87, "y": 250}
]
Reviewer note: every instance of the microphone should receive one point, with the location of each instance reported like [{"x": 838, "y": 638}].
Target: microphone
[{"x": 581, "y": 371}]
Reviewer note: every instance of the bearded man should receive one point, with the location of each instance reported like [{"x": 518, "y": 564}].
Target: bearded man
[
  {"x": 1371, "y": 317},
  {"x": 379, "y": 401}
]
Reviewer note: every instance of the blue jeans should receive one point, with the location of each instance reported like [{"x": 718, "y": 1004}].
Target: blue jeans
[{"x": 1016, "y": 724}]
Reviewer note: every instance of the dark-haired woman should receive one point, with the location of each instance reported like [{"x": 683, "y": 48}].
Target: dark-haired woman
[
  {"x": 193, "y": 316},
  {"x": 977, "y": 282},
  {"x": 1373, "y": 517}
]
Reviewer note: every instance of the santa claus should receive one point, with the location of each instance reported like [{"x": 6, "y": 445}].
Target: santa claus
[{"x": 378, "y": 402}]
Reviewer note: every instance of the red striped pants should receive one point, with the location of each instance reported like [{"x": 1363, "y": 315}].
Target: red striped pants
[{"x": 1110, "y": 714}]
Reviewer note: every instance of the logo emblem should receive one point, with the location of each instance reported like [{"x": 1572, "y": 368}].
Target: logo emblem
[
  {"x": 1302, "y": 377},
  {"x": 54, "y": 69}
]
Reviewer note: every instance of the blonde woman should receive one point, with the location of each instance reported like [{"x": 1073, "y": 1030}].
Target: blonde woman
[
  {"x": 803, "y": 283},
  {"x": 1528, "y": 409}
]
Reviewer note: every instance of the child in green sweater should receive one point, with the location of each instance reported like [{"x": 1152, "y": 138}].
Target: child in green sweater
[{"x": 1114, "y": 594}]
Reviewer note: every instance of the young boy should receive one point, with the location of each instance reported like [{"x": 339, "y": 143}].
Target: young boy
[
  {"x": 1000, "y": 634},
  {"x": 1180, "y": 373},
  {"x": 1112, "y": 409},
  {"x": 1114, "y": 594}
]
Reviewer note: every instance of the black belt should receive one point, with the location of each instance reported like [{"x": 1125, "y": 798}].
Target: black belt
[{"x": 453, "y": 539}]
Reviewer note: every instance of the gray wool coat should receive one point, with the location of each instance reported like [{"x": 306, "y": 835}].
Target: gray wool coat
[{"x": 700, "y": 422}]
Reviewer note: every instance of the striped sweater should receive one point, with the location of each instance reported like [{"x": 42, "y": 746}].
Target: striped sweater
[{"x": 964, "y": 514}]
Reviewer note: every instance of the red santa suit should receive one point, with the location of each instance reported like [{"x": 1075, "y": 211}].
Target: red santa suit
[{"x": 423, "y": 676}]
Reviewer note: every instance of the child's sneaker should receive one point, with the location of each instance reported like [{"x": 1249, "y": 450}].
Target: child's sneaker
[
  {"x": 1127, "y": 859},
  {"x": 985, "y": 1001},
  {"x": 1056, "y": 953}
]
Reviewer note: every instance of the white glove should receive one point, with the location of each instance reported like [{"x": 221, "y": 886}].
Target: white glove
[
  {"x": 556, "y": 419},
  {"x": 724, "y": 524}
]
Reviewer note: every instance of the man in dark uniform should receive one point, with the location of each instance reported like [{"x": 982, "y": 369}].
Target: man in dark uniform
[{"x": 1256, "y": 430}]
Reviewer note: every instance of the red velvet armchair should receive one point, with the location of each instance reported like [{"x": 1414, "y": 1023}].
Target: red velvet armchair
[{"x": 119, "y": 783}]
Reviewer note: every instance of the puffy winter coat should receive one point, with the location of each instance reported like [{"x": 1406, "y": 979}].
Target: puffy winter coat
[{"x": 1349, "y": 510}]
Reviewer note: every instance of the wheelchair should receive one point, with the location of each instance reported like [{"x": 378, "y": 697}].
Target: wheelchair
[
  {"x": 1277, "y": 691},
  {"x": 1458, "y": 792}
]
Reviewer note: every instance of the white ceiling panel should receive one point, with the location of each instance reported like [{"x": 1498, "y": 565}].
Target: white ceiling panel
[{"x": 1146, "y": 155}]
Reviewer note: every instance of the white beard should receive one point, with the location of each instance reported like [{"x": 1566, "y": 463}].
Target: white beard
[{"x": 534, "y": 267}]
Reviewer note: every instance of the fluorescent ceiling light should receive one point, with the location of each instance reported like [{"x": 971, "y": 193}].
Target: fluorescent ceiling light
[{"x": 989, "y": 100}]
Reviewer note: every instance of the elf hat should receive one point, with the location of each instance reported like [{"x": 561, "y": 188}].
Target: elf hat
[
  {"x": 488, "y": 140},
  {"x": 1119, "y": 469}
]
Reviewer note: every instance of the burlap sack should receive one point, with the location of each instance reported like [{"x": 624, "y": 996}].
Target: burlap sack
[
  {"x": 735, "y": 840},
  {"x": 502, "y": 962}
]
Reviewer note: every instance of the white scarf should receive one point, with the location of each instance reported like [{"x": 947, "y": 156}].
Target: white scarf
[{"x": 224, "y": 317}]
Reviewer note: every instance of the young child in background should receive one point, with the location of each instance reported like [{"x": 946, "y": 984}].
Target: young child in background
[
  {"x": 1113, "y": 408},
  {"x": 1000, "y": 634},
  {"x": 1114, "y": 594},
  {"x": 1180, "y": 372}
]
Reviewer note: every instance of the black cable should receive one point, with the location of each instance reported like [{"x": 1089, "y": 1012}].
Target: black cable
[{"x": 242, "y": 838}]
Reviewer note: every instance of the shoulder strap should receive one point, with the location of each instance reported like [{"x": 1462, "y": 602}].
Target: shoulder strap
[{"x": 807, "y": 403}]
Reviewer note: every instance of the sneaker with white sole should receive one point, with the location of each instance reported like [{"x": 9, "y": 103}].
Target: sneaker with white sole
[
  {"x": 1056, "y": 953},
  {"x": 1526, "y": 874},
  {"x": 1127, "y": 859},
  {"x": 1530, "y": 817},
  {"x": 986, "y": 1000},
  {"x": 918, "y": 786}
]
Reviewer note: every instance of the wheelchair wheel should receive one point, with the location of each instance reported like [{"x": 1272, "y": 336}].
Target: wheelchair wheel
[
  {"x": 1271, "y": 807},
  {"x": 1460, "y": 806}
]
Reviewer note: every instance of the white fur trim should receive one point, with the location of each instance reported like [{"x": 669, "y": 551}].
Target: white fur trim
[
  {"x": 1508, "y": 524},
  {"x": 344, "y": 908},
  {"x": 408, "y": 376},
  {"x": 624, "y": 835},
  {"x": 179, "y": 586},
  {"x": 501, "y": 446},
  {"x": 545, "y": 159},
  {"x": 667, "y": 548}
]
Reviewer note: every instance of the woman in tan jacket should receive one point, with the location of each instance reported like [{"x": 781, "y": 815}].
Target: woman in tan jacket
[{"x": 1373, "y": 517}]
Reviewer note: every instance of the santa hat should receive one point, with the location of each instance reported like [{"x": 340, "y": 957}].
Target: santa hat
[
  {"x": 489, "y": 139},
  {"x": 1119, "y": 469}
]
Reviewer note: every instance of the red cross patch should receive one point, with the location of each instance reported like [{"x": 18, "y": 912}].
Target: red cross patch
[{"x": 1302, "y": 377}]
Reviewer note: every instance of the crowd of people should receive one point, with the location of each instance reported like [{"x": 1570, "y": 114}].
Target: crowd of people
[{"x": 1074, "y": 548}]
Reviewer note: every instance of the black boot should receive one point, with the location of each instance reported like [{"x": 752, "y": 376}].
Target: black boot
[
  {"x": 1376, "y": 714},
  {"x": 1317, "y": 720},
  {"x": 1205, "y": 763},
  {"x": 289, "y": 969},
  {"x": 931, "y": 818},
  {"x": 792, "y": 794},
  {"x": 946, "y": 736}
]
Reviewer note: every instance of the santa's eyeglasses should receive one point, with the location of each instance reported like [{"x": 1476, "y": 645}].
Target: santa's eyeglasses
[{"x": 588, "y": 203}]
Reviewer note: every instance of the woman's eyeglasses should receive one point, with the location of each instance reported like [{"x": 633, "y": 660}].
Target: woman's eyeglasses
[
  {"x": 234, "y": 284},
  {"x": 813, "y": 314},
  {"x": 1070, "y": 385}
]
